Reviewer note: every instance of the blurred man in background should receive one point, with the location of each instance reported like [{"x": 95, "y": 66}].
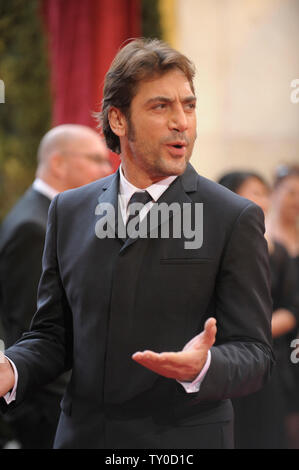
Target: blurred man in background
[{"x": 68, "y": 156}]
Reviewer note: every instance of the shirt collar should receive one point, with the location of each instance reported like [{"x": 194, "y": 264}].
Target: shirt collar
[
  {"x": 43, "y": 188},
  {"x": 127, "y": 189}
]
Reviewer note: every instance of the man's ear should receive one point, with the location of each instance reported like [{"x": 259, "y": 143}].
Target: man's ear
[
  {"x": 117, "y": 121},
  {"x": 58, "y": 165}
]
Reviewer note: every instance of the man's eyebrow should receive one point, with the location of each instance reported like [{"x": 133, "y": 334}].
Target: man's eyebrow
[
  {"x": 190, "y": 99},
  {"x": 165, "y": 99},
  {"x": 155, "y": 99}
]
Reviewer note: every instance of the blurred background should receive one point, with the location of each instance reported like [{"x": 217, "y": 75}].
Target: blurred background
[{"x": 54, "y": 55}]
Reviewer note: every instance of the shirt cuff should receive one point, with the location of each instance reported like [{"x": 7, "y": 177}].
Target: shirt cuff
[
  {"x": 11, "y": 396},
  {"x": 193, "y": 387}
]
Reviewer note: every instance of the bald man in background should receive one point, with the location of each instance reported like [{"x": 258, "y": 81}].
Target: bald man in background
[{"x": 69, "y": 156}]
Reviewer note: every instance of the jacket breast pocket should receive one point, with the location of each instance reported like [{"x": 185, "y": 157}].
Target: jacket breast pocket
[
  {"x": 185, "y": 261},
  {"x": 188, "y": 272}
]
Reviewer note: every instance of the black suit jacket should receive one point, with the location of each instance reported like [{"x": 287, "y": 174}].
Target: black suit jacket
[
  {"x": 100, "y": 300},
  {"x": 22, "y": 239}
]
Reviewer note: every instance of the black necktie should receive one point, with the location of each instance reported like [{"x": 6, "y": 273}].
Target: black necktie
[{"x": 140, "y": 198}]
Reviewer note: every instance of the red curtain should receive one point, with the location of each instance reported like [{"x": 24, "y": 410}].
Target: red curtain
[{"x": 83, "y": 38}]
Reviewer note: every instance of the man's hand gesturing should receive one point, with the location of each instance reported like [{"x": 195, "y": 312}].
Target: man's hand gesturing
[
  {"x": 7, "y": 377},
  {"x": 184, "y": 365}
]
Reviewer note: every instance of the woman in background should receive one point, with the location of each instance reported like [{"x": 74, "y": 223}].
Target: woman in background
[
  {"x": 283, "y": 219},
  {"x": 260, "y": 417},
  {"x": 283, "y": 227}
]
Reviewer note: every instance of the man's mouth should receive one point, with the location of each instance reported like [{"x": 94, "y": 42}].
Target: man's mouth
[
  {"x": 177, "y": 145},
  {"x": 177, "y": 148}
]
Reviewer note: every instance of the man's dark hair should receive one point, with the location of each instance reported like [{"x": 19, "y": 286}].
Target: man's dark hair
[{"x": 138, "y": 60}]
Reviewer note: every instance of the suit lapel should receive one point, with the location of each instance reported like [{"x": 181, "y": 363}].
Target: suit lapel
[
  {"x": 176, "y": 193},
  {"x": 175, "y": 197},
  {"x": 109, "y": 196}
]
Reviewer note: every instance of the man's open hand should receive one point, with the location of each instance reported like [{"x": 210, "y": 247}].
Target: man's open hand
[
  {"x": 184, "y": 365},
  {"x": 7, "y": 377}
]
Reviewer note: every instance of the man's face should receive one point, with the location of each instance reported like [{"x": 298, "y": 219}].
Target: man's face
[
  {"x": 87, "y": 161},
  {"x": 161, "y": 130}
]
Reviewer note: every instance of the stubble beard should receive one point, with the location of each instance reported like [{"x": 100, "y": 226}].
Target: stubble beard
[{"x": 159, "y": 167}]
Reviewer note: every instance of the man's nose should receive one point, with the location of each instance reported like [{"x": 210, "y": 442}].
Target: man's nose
[{"x": 178, "y": 119}]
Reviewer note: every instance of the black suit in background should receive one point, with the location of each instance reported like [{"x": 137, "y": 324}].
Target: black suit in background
[
  {"x": 101, "y": 300},
  {"x": 260, "y": 418},
  {"x": 22, "y": 238}
]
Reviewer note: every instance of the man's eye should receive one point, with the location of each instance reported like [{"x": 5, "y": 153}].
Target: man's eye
[
  {"x": 190, "y": 106},
  {"x": 160, "y": 106}
]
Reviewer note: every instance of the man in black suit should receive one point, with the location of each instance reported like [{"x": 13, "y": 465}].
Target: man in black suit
[
  {"x": 68, "y": 156},
  {"x": 135, "y": 317}
]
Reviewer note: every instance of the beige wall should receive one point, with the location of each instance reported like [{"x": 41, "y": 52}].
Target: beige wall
[{"x": 246, "y": 53}]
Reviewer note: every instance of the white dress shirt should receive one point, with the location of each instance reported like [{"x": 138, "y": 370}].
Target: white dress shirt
[{"x": 43, "y": 188}]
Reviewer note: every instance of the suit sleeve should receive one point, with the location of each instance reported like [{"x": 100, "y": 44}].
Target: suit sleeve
[
  {"x": 23, "y": 258},
  {"x": 242, "y": 358},
  {"x": 45, "y": 352}
]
